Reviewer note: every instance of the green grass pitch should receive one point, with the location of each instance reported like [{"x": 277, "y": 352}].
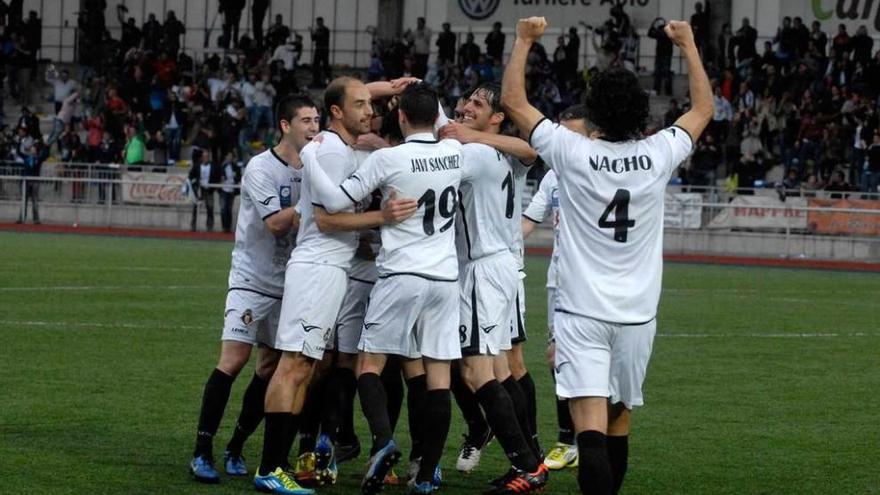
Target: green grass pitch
[{"x": 762, "y": 380}]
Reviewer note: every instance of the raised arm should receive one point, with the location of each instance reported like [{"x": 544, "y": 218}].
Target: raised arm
[
  {"x": 506, "y": 144},
  {"x": 513, "y": 86},
  {"x": 702, "y": 106},
  {"x": 331, "y": 197},
  {"x": 382, "y": 89}
]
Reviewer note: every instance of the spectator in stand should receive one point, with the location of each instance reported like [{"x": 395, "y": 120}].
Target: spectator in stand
[
  {"x": 258, "y": 13},
  {"x": 264, "y": 96},
  {"x": 560, "y": 70},
  {"x": 231, "y": 10},
  {"x": 786, "y": 39},
  {"x": 819, "y": 38},
  {"x": 152, "y": 31},
  {"x": 495, "y": 42},
  {"x": 135, "y": 149},
  {"x": 746, "y": 37},
  {"x": 203, "y": 178},
  {"x": 841, "y": 42},
  {"x": 175, "y": 121},
  {"x": 227, "y": 192},
  {"x": 720, "y": 125},
  {"x": 131, "y": 35},
  {"x": 419, "y": 42},
  {"x": 62, "y": 85},
  {"x": 321, "y": 58},
  {"x": 63, "y": 118},
  {"x": 871, "y": 177},
  {"x": 468, "y": 52},
  {"x": 672, "y": 114},
  {"x": 446, "y": 45},
  {"x": 752, "y": 165},
  {"x": 157, "y": 146},
  {"x": 862, "y": 46},
  {"x": 838, "y": 185},
  {"x": 726, "y": 47},
  {"x": 801, "y": 37},
  {"x": 662, "y": 57},
  {"x": 704, "y": 161},
  {"x": 172, "y": 30},
  {"x": 572, "y": 52},
  {"x": 32, "y": 157},
  {"x": 278, "y": 33},
  {"x": 700, "y": 25}
]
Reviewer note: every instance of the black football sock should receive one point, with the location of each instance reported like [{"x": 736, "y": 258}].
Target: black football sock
[
  {"x": 289, "y": 440},
  {"x": 348, "y": 382},
  {"x": 527, "y": 385},
  {"x": 374, "y": 402},
  {"x": 469, "y": 406},
  {"x": 416, "y": 402},
  {"x": 618, "y": 456},
  {"x": 437, "y": 414},
  {"x": 393, "y": 383},
  {"x": 502, "y": 419},
  {"x": 594, "y": 468},
  {"x": 310, "y": 416},
  {"x": 252, "y": 410},
  {"x": 275, "y": 436},
  {"x": 214, "y": 400},
  {"x": 563, "y": 419},
  {"x": 335, "y": 395},
  {"x": 521, "y": 410}
]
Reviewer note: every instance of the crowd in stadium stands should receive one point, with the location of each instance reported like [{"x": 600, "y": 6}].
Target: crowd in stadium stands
[{"x": 804, "y": 101}]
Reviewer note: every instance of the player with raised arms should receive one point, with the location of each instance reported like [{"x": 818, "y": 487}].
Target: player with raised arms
[
  {"x": 611, "y": 192},
  {"x": 264, "y": 236}
]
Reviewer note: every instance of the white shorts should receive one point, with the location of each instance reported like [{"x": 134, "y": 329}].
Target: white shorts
[
  {"x": 351, "y": 316},
  {"x": 551, "y": 313},
  {"x": 412, "y": 316},
  {"x": 250, "y": 317},
  {"x": 312, "y": 297},
  {"x": 518, "y": 314},
  {"x": 599, "y": 359},
  {"x": 487, "y": 299}
]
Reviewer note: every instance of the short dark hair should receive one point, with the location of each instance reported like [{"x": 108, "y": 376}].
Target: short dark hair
[
  {"x": 419, "y": 103},
  {"x": 573, "y": 112},
  {"x": 491, "y": 92},
  {"x": 390, "y": 129},
  {"x": 617, "y": 105},
  {"x": 289, "y": 105},
  {"x": 335, "y": 92}
]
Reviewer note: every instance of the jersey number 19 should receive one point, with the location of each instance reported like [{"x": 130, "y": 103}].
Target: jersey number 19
[{"x": 446, "y": 210}]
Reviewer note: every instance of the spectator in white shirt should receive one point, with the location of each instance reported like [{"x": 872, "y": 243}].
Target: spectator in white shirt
[
  {"x": 723, "y": 115},
  {"x": 261, "y": 112},
  {"x": 62, "y": 85}
]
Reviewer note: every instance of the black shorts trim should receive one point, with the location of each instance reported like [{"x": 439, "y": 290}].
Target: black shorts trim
[
  {"x": 361, "y": 280},
  {"x": 530, "y": 218},
  {"x": 254, "y": 291},
  {"x": 467, "y": 235},
  {"x": 473, "y": 347},
  {"x": 426, "y": 277},
  {"x": 520, "y": 325},
  {"x": 558, "y": 310},
  {"x": 270, "y": 214}
]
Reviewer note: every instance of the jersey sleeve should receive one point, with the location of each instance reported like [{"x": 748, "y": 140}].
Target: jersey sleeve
[
  {"x": 260, "y": 187},
  {"x": 674, "y": 144},
  {"x": 539, "y": 208},
  {"x": 553, "y": 143},
  {"x": 337, "y": 195},
  {"x": 442, "y": 118}
]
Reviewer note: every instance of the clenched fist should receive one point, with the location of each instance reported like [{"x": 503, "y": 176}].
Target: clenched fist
[
  {"x": 531, "y": 29},
  {"x": 680, "y": 33}
]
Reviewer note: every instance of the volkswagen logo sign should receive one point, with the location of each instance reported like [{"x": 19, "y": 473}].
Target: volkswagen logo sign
[{"x": 478, "y": 9}]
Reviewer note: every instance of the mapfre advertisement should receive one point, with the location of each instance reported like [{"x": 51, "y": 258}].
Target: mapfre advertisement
[{"x": 761, "y": 212}]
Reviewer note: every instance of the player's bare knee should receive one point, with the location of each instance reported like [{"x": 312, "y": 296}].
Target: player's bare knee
[
  {"x": 370, "y": 363},
  {"x": 412, "y": 368},
  {"x": 515, "y": 362},
  {"x": 476, "y": 371},
  {"x": 589, "y": 414},
  {"x": 550, "y": 355},
  {"x": 233, "y": 356},
  {"x": 618, "y": 420},
  {"x": 347, "y": 361}
]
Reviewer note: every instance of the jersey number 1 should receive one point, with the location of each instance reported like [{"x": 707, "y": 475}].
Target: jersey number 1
[
  {"x": 446, "y": 210},
  {"x": 621, "y": 224}
]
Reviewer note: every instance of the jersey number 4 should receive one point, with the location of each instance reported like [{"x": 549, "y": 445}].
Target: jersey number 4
[
  {"x": 621, "y": 224},
  {"x": 446, "y": 207}
]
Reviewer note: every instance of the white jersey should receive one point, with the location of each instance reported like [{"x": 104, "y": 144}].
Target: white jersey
[
  {"x": 545, "y": 204},
  {"x": 269, "y": 184},
  {"x": 486, "y": 202},
  {"x": 338, "y": 161},
  {"x": 519, "y": 184},
  {"x": 611, "y": 229},
  {"x": 363, "y": 265},
  {"x": 424, "y": 169}
]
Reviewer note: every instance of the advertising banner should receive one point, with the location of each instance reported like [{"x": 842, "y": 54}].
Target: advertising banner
[
  {"x": 154, "y": 189},
  {"x": 680, "y": 211},
  {"x": 559, "y": 13},
  {"x": 845, "y": 223},
  {"x": 761, "y": 212}
]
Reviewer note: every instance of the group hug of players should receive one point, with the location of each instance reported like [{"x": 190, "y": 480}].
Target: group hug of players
[{"x": 379, "y": 254}]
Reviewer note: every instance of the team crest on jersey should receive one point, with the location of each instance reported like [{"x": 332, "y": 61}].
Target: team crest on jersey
[
  {"x": 247, "y": 317},
  {"x": 284, "y": 196}
]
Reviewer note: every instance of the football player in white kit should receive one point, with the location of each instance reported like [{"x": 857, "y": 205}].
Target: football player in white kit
[
  {"x": 488, "y": 235},
  {"x": 611, "y": 192},
  {"x": 316, "y": 278},
  {"x": 417, "y": 290},
  {"x": 544, "y": 205},
  {"x": 264, "y": 237}
]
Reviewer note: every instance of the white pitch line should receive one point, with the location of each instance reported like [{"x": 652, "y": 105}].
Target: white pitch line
[{"x": 108, "y": 287}]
